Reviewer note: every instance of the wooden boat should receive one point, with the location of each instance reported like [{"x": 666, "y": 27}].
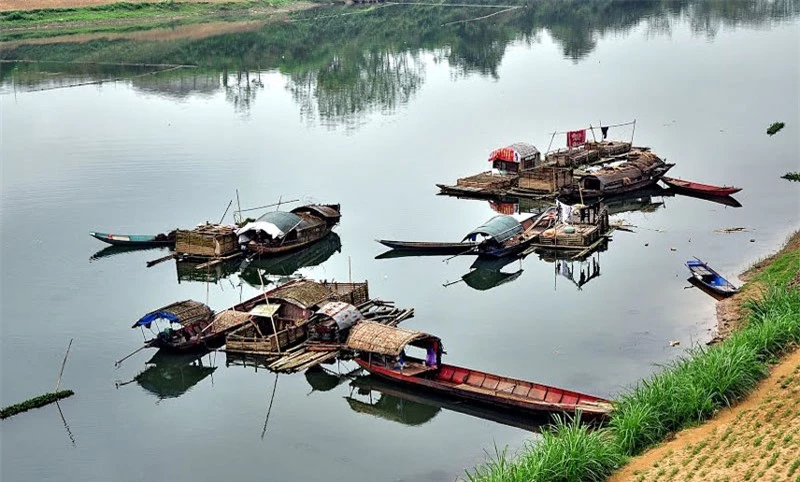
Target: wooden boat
[
  {"x": 640, "y": 169},
  {"x": 501, "y": 235},
  {"x": 283, "y": 317},
  {"x": 280, "y": 231},
  {"x": 695, "y": 187},
  {"x": 710, "y": 278},
  {"x": 136, "y": 240},
  {"x": 381, "y": 349},
  {"x": 424, "y": 247}
]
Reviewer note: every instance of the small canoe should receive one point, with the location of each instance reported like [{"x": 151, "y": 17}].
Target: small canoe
[
  {"x": 428, "y": 247},
  {"x": 138, "y": 240},
  {"x": 697, "y": 188},
  {"x": 710, "y": 278}
]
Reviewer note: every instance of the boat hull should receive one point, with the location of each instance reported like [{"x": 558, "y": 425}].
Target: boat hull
[
  {"x": 135, "y": 240},
  {"x": 680, "y": 185},
  {"x": 710, "y": 279},
  {"x": 262, "y": 249},
  {"x": 458, "y": 385},
  {"x": 428, "y": 247}
]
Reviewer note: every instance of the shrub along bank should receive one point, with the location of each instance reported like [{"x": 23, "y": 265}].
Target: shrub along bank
[{"x": 685, "y": 393}]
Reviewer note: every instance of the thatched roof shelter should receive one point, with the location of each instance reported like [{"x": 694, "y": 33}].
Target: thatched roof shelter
[
  {"x": 305, "y": 293},
  {"x": 382, "y": 339},
  {"x": 184, "y": 312}
]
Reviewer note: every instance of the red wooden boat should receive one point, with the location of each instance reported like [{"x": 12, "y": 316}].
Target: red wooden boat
[
  {"x": 381, "y": 351},
  {"x": 697, "y": 188}
]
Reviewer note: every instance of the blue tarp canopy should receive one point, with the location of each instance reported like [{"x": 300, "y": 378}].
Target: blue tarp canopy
[
  {"x": 499, "y": 228},
  {"x": 183, "y": 312},
  {"x": 149, "y": 318}
]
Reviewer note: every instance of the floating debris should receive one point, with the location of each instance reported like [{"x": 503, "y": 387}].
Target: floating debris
[
  {"x": 775, "y": 127},
  {"x": 732, "y": 230},
  {"x": 674, "y": 343}
]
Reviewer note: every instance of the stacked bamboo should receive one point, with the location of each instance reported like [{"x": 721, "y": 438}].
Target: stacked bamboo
[{"x": 207, "y": 241}]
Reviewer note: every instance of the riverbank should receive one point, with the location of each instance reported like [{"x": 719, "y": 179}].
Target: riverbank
[
  {"x": 73, "y": 18},
  {"x": 689, "y": 391}
]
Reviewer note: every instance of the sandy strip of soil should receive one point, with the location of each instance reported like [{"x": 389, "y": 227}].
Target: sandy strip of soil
[{"x": 757, "y": 440}]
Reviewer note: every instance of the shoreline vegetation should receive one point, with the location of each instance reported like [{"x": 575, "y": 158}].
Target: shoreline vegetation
[
  {"x": 34, "y": 402},
  {"x": 684, "y": 394},
  {"x": 132, "y": 16}
]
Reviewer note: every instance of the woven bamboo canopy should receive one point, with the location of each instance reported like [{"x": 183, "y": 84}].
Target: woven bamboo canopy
[
  {"x": 382, "y": 339},
  {"x": 305, "y": 293},
  {"x": 183, "y": 312}
]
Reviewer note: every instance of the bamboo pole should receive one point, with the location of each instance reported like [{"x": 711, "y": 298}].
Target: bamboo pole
[{"x": 58, "y": 383}]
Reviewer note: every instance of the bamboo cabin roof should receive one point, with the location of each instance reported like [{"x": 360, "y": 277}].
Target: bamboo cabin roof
[
  {"x": 304, "y": 293},
  {"x": 632, "y": 169},
  {"x": 374, "y": 337},
  {"x": 324, "y": 211},
  {"x": 184, "y": 312},
  {"x": 500, "y": 228},
  {"x": 228, "y": 319}
]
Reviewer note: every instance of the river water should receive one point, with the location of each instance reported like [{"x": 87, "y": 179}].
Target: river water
[{"x": 370, "y": 111}]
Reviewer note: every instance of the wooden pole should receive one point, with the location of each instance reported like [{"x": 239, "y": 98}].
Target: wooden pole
[
  {"x": 226, "y": 212},
  {"x": 551, "y": 144},
  {"x": 349, "y": 270},
  {"x": 271, "y": 318},
  {"x": 592, "y": 129},
  {"x": 58, "y": 383},
  {"x": 118, "y": 362},
  {"x": 238, "y": 207},
  {"x": 633, "y": 131}
]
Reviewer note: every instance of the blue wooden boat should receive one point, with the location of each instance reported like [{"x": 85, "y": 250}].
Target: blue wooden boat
[
  {"x": 710, "y": 278},
  {"x": 136, "y": 240}
]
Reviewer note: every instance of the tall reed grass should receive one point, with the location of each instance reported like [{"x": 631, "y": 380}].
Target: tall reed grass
[{"x": 685, "y": 393}]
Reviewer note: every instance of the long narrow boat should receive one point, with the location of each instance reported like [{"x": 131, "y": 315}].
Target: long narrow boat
[
  {"x": 429, "y": 247},
  {"x": 136, "y": 240},
  {"x": 697, "y": 188},
  {"x": 710, "y": 278},
  {"x": 381, "y": 349},
  {"x": 501, "y": 235}
]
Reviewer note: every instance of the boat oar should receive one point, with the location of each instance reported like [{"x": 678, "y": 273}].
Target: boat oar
[
  {"x": 118, "y": 362},
  {"x": 470, "y": 250}
]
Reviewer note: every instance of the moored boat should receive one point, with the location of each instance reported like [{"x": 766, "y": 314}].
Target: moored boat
[
  {"x": 381, "y": 350},
  {"x": 709, "y": 278},
  {"x": 281, "y": 231},
  {"x": 697, "y": 188},
  {"x": 499, "y": 236},
  {"x": 638, "y": 169},
  {"x": 136, "y": 240}
]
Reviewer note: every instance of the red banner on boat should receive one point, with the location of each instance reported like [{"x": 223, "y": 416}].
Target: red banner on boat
[{"x": 576, "y": 138}]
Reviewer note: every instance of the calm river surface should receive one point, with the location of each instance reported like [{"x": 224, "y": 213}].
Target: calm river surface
[{"x": 369, "y": 111}]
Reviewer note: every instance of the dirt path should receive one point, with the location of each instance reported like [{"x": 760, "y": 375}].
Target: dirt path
[
  {"x": 36, "y": 4},
  {"x": 757, "y": 440}
]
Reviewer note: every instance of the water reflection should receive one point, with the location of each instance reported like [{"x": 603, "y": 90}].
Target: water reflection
[
  {"x": 110, "y": 251},
  {"x": 409, "y": 406},
  {"x": 486, "y": 274},
  {"x": 280, "y": 267},
  {"x": 171, "y": 375},
  {"x": 345, "y": 66}
]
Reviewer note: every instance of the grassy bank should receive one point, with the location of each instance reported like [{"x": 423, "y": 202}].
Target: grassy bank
[
  {"x": 127, "y": 16},
  {"x": 685, "y": 393}
]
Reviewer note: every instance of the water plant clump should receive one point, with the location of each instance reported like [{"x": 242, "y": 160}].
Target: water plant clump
[
  {"x": 35, "y": 402},
  {"x": 792, "y": 176},
  {"x": 775, "y": 127}
]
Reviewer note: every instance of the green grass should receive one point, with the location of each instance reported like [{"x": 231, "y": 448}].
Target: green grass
[
  {"x": 35, "y": 402},
  {"x": 685, "y": 393}
]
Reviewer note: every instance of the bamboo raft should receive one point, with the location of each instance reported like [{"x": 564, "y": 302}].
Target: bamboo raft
[{"x": 312, "y": 353}]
